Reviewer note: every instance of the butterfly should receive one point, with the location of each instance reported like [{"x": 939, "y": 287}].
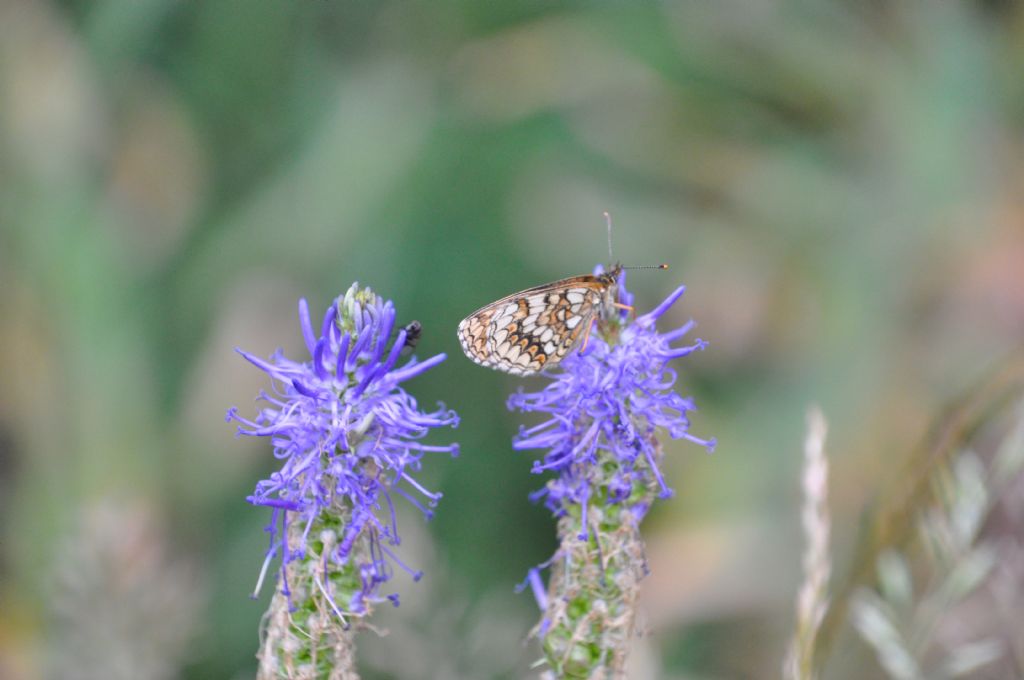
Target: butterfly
[{"x": 536, "y": 328}]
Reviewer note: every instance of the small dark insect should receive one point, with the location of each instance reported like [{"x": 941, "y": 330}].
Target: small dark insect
[{"x": 413, "y": 331}]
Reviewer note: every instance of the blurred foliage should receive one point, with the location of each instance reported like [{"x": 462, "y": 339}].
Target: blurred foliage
[
  {"x": 838, "y": 183},
  {"x": 959, "y": 615}
]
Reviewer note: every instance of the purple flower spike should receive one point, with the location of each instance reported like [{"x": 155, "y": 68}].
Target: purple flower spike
[
  {"x": 347, "y": 435},
  {"x": 605, "y": 411},
  {"x": 613, "y": 399}
]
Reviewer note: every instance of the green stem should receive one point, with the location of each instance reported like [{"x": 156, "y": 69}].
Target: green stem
[
  {"x": 592, "y": 597},
  {"x": 307, "y": 637}
]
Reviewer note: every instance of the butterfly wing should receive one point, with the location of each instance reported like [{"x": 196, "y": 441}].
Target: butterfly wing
[
  {"x": 528, "y": 331},
  {"x": 473, "y": 332}
]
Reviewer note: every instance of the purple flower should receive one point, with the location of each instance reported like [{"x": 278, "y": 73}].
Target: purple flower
[
  {"x": 348, "y": 438},
  {"x": 606, "y": 407}
]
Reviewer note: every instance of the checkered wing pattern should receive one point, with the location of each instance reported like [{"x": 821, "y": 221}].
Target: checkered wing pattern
[{"x": 529, "y": 331}]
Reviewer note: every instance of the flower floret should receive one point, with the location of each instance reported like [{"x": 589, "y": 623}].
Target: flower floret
[
  {"x": 348, "y": 436},
  {"x": 608, "y": 404}
]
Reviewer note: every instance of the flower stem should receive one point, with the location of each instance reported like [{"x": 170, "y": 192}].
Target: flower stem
[
  {"x": 589, "y": 621},
  {"x": 306, "y": 634}
]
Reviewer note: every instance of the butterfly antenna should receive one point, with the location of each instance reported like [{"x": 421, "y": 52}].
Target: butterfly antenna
[
  {"x": 649, "y": 266},
  {"x": 608, "y": 221}
]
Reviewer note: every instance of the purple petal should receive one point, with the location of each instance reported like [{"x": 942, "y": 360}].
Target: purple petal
[
  {"x": 412, "y": 370},
  {"x": 329, "y": 316},
  {"x": 307, "y": 327},
  {"x": 655, "y": 313},
  {"x": 339, "y": 369}
]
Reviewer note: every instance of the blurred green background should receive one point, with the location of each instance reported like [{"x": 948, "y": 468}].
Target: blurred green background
[{"x": 839, "y": 184}]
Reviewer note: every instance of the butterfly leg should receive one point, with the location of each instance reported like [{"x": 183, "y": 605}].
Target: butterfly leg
[
  {"x": 628, "y": 308},
  {"x": 586, "y": 336}
]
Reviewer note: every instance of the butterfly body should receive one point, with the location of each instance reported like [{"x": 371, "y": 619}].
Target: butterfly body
[{"x": 533, "y": 329}]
